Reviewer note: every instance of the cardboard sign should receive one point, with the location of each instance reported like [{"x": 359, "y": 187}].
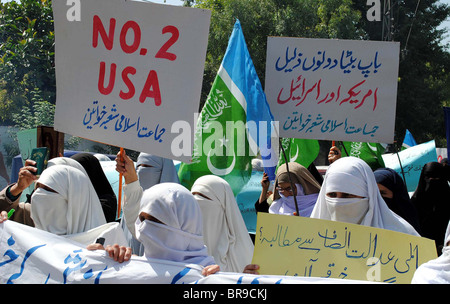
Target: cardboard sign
[
  {"x": 333, "y": 89},
  {"x": 300, "y": 246},
  {"x": 126, "y": 71}
]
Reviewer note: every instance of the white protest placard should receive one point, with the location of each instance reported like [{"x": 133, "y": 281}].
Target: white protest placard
[
  {"x": 333, "y": 89},
  {"x": 126, "y": 71}
]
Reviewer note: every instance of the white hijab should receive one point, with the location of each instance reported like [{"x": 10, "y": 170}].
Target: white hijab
[
  {"x": 352, "y": 175},
  {"x": 224, "y": 230},
  {"x": 73, "y": 209},
  {"x": 161, "y": 170},
  {"x": 157, "y": 170},
  {"x": 436, "y": 271},
  {"x": 286, "y": 204},
  {"x": 66, "y": 161},
  {"x": 179, "y": 238}
]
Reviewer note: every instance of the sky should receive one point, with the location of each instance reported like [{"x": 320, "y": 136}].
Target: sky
[{"x": 446, "y": 24}]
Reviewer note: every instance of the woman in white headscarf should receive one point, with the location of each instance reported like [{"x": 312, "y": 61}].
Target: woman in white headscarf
[
  {"x": 350, "y": 194},
  {"x": 65, "y": 203},
  {"x": 224, "y": 230},
  {"x": 90, "y": 166},
  {"x": 436, "y": 271},
  {"x": 152, "y": 170},
  {"x": 169, "y": 225}
]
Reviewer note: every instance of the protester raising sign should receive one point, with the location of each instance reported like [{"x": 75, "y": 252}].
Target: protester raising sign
[
  {"x": 333, "y": 89},
  {"x": 126, "y": 71}
]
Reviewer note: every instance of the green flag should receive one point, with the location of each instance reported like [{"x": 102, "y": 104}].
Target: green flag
[
  {"x": 369, "y": 152},
  {"x": 302, "y": 151},
  {"x": 215, "y": 149},
  {"x": 228, "y": 133}
]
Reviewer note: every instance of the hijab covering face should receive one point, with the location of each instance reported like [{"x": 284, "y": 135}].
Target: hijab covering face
[
  {"x": 180, "y": 237},
  {"x": 436, "y": 271},
  {"x": 73, "y": 209},
  {"x": 352, "y": 175},
  {"x": 431, "y": 200},
  {"x": 224, "y": 230},
  {"x": 157, "y": 170},
  {"x": 90, "y": 166},
  {"x": 400, "y": 203},
  {"x": 307, "y": 191}
]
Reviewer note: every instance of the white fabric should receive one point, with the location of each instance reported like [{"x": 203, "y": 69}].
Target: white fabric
[
  {"x": 180, "y": 237},
  {"x": 352, "y": 175},
  {"x": 224, "y": 230},
  {"x": 132, "y": 199},
  {"x": 161, "y": 170},
  {"x": 66, "y": 161},
  {"x": 111, "y": 232},
  {"x": 156, "y": 170},
  {"x": 436, "y": 271},
  {"x": 286, "y": 204},
  {"x": 73, "y": 209},
  {"x": 45, "y": 258},
  {"x": 349, "y": 210}
]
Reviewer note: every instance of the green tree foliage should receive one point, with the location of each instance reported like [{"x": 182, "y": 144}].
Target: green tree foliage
[
  {"x": 27, "y": 49},
  {"x": 424, "y": 62},
  {"x": 423, "y": 86},
  {"x": 26, "y": 55},
  {"x": 263, "y": 18}
]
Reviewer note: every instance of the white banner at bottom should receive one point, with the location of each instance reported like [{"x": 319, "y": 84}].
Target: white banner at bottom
[{"x": 32, "y": 256}]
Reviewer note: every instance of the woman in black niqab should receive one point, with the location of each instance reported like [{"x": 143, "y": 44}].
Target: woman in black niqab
[
  {"x": 400, "y": 202},
  {"x": 432, "y": 202}
]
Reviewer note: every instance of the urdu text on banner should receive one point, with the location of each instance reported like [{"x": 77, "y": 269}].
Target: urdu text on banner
[
  {"x": 326, "y": 89},
  {"x": 308, "y": 247},
  {"x": 126, "y": 71}
]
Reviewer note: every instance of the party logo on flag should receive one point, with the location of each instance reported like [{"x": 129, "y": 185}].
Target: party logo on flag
[{"x": 234, "y": 123}]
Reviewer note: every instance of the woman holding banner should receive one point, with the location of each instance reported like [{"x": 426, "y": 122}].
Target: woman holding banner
[
  {"x": 350, "y": 194},
  {"x": 65, "y": 203},
  {"x": 150, "y": 170}
]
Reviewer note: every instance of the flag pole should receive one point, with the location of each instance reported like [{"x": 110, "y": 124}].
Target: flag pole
[
  {"x": 400, "y": 163},
  {"x": 119, "y": 203},
  {"x": 343, "y": 146},
  {"x": 289, "y": 176}
]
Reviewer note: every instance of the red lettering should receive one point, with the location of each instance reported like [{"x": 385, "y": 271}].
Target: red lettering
[
  {"x": 137, "y": 37},
  {"x": 108, "y": 39},
  {"x": 101, "y": 78},
  {"x": 162, "y": 53},
  {"x": 147, "y": 91},
  {"x": 128, "y": 83}
]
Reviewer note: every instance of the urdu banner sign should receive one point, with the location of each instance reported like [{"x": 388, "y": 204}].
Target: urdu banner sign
[{"x": 326, "y": 89}]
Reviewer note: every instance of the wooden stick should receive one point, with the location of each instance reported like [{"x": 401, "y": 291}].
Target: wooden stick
[
  {"x": 119, "y": 203},
  {"x": 297, "y": 213}
]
